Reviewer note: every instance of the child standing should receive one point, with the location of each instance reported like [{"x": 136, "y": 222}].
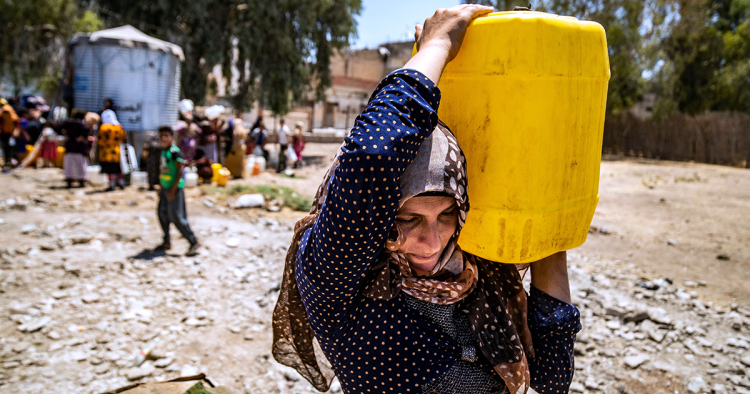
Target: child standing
[
  {"x": 171, "y": 197},
  {"x": 49, "y": 147}
]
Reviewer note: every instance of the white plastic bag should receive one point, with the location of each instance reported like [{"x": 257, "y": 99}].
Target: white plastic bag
[{"x": 290, "y": 155}]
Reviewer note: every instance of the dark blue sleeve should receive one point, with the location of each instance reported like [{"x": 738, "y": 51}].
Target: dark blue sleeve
[
  {"x": 363, "y": 195},
  {"x": 553, "y": 325}
]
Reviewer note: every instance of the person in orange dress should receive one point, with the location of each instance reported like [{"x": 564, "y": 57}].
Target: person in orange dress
[{"x": 111, "y": 135}]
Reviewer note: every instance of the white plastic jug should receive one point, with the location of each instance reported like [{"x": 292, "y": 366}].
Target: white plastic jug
[
  {"x": 139, "y": 179},
  {"x": 191, "y": 177},
  {"x": 273, "y": 156},
  {"x": 261, "y": 162},
  {"x": 95, "y": 176}
]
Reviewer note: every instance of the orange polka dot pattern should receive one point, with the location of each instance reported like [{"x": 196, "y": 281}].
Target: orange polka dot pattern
[
  {"x": 109, "y": 139},
  {"x": 373, "y": 344}
]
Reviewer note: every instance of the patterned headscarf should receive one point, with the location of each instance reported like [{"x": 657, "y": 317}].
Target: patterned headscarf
[{"x": 490, "y": 294}]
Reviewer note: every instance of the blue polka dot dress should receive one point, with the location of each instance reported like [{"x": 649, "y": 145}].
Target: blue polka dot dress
[{"x": 385, "y": 346}]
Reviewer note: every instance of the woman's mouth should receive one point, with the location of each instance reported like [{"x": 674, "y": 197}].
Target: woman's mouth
[{"x": 424, "y": 257}]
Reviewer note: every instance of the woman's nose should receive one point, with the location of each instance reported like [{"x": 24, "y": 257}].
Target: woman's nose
[{"x": 430, "y": 237}]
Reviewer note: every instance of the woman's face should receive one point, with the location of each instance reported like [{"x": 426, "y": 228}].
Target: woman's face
[{"x": 427, "y": 223}]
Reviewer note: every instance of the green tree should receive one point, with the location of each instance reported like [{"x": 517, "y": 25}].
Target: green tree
[
  {"x": 621, "y": 20},
  {"x": 32, "y": 40},
  {"x": 88, "y": 22},
  {"x": 275, "y": 50},
  {"x": 708, "y": 54}
]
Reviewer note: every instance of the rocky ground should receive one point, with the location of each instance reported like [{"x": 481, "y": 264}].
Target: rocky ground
[{"x": 84, "y": 299}]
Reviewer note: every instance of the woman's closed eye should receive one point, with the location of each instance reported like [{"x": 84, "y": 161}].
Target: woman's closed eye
[
  {"x": 406, "y": 221},
  {"x": 449, "y": 212}
]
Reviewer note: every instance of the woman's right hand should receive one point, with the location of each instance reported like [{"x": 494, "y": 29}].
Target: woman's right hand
[
  {"x": 439, "y": 41},
  {"x": 447, "y": 27}
]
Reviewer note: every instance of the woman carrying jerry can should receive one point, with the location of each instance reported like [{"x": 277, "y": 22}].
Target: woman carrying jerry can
[{"x": 375, "y": 272}]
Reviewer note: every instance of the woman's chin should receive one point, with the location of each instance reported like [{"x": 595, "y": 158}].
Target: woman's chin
[{"x": 422, "y": 264}]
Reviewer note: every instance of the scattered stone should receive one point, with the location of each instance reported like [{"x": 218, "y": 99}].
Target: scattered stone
[
  {"x": 104, "y": 338},
  {"x": 745, "y": 360},
  {"x": 81, "y": 238},
  {"x": 18, "y": 308},
  {"x": 659, "y": 315},
  {"x": 28, "y": 228},
  {"x": 591, "y": 384},
  {"x": 577, "y": 387},
  {"x": 53, "y": 335},
  {"x": 163, "y": 362},
  {"x": 189, "y": 370},
  {"x": 723, "y": 256},
  {"x": 636, "y": 360},
  {"x": 112, "y": 356},
  {"x": 11, "y": 364},
  {"x": 637, "y": 316},
  {"x": 233, "y": 242},
  {"x": 195, "y": 322},
  {"x": 101, "y": 369},
  {"x": 78, "y": 356},
  {"x": 90, "y": 298},
  {"x": 35, "y": 324},
  {"x": 157, "y": 354},
  {"x": 648, "y": 285},
  {"x": 141, "y": 372},
  {"x": 696, "y": 385},
  {"x": 48, "y": 247},
  {"x": 664, "y": 366},
  {"x": 249, "y": 337},
  {"x": 20, "y": 347},
  {"x": 235, "y": 329}
]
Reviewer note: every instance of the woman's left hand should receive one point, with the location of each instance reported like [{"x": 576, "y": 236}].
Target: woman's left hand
[{"x": 550, "y": 275}]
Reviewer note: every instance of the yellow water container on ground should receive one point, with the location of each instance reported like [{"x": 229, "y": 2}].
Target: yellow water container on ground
[
  {"x": 215, "y": 167},
  {"x": 60, "y": 157},
  {"x": 526, "y": 98},
  {"x": 222, "y": 178}
]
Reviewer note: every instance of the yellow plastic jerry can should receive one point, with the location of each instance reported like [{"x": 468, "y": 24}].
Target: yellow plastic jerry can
[{"x": 526, "y": 98}]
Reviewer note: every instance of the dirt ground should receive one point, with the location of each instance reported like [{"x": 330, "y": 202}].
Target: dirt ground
[{"x": 82, "y": 293}]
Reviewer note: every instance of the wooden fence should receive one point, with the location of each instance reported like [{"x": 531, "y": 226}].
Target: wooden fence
[{"x": 715, "y": 137}]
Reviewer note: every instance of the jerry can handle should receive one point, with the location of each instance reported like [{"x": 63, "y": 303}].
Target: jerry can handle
[{"x": 517, "y": 8}]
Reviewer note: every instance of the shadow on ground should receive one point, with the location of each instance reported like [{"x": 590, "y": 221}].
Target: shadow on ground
[{"x": 150, "y": 254}]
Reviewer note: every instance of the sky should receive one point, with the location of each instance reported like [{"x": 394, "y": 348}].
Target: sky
[{"x": 383, "y": 21}]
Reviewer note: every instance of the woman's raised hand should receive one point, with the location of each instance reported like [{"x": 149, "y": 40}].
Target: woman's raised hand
[
  {"x": 440, "y": 39},
  {"x": 447, "y": 27}
]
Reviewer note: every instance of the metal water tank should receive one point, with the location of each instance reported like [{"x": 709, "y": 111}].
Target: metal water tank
[{"x": 141, "y": 74}]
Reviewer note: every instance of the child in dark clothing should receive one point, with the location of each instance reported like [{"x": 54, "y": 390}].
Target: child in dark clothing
[{"x": 171, "y": 196}]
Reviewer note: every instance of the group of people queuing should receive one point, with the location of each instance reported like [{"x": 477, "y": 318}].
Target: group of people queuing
[
  {"x": 88, "y": 137},
  {"x": 256, "y": 143},
  {"x": 21, "y": 124},
  {"x": 98, "y": 137}
]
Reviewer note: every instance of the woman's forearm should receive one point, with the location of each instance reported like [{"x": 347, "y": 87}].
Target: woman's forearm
[
  {"x": 429, "y": 61},
  {"x": 550, "y": 275}
]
